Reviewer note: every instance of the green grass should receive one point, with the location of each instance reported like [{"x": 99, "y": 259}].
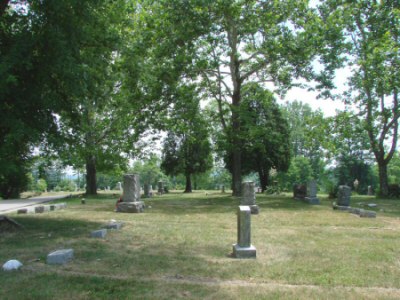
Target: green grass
[{"x": 180, "y": 249}]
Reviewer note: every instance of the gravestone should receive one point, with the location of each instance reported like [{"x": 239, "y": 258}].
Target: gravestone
[
  {"x": 147, "y": 191},
  {"x": 312, "y": 193},
  {"x": 101, "y": 233},
  {"x": 370, "y": 191},
  {"x": 113, "y": 225},
  {"x": 244, "y": 248},
  {"x": 60, "y": 257},
  {"x": 131, "y": 195},
  {"x": 160, "y": 187},
  {"x": 39, "y": 209},
  {"x": 299, "y": 191},
  {"x": 249, "y": 197},
  {"x": 344, "y": 194}
]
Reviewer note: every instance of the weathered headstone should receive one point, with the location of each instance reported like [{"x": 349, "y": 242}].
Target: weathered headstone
[
  {"x": 114, "y": 225},
  {"x": 160, "y": 187},
  {"x": 131, "y": 196},
  {"x": 370, "y": 191},
  {"x": 147, "y": 193},
  {"x": 39, "y": 209},
  {"x": 299, "y": 191},
  {"x": 344, "y": 194},
  {"x": 244, "y": 248},
  {"x": 367, "y": 214},
  {"x": 60, "y": 257},
  {"x": 11, "y": 265},
  {"x": 312, "y": 193},
  {"x": 249, "y": 197},
  {"x": 101, "y": 233}
]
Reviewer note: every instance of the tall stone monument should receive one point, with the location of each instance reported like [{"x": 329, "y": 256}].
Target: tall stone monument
[
  {"x": 244, "y": 248},
  {"x": 131, "y": 195},
  {"x": 249, "y": 197},
  {"x": 312, "y": 193},
  {"x": 344, "y": 194}
]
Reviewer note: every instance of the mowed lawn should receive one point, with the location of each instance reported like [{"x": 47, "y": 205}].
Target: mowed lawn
[{"x": 180, "y": 249}]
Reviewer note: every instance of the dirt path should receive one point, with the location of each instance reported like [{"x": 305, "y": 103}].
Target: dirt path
[{"x": 15, "y": 204}]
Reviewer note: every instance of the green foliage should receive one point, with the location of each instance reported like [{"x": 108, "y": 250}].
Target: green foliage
[
  {"x": 41, "y": 185},
  {"x": 187, "y": 148},
  {"x": 367, "y": 39},
  {"x": 309, "y": 134},
  {"x": 264, "y": 135},
  {"x": 394, "y": 169},
  {"x": 149, "y": 170},
  {"x": 299, "y": 172},
  {"x": 350, "y": 169},
  {"x": 65, "y": 185}
]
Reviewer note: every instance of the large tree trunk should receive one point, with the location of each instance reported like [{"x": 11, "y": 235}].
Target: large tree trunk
[
  {"x": 383, "y": 179},
  {"x": 91, "y": 186},
  {"x": 234, "y": 66},
  {"x": 264, "y": 178},
  {"x": 188, "y": 188}
]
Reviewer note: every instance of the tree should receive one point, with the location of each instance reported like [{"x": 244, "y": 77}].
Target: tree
[
  {"x": 349, "y": 148},
  {"x": 370, "y": 43},
  {"x": 253, "y": 41},
  {"x": 308, "y": 134},
  {"x": 100, "y": 130},
  {"x": 299, "y": 172},
  {"x": 187, "y": 149},
  {"x": 36, "y": 70},
  {"x": 149, "y": 170},
  {"x": 264, "y": 134}
]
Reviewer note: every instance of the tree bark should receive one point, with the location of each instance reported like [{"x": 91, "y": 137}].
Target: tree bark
[
  {"x": 91, "y": 186},
  {"x": 383, "y": 179},
  {"x": 188, "y": 188},
  {"x": 236, "y": 156},
  {"x": 264, "y": 178},
  {"x": 234, "y": 66}
]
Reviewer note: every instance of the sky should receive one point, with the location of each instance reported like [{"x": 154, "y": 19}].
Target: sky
[{"x": 327, "y": 106}]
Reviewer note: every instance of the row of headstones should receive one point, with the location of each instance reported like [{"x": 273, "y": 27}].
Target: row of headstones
[
  {"x": 343, "y": 203},
  {"x": 147, "y": 188},
  {"x": 243, "y": 249},
  {"x": 41, "y": 208},
  {"x": 63, "y": 256},
  {"x": 301, "y": 192}
]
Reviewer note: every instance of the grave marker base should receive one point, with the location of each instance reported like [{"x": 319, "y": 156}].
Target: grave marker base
[{"x": 244, "y": 252}]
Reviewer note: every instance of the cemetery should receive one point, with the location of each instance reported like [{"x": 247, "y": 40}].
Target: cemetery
[
  {"x": 199, "y": 149},
  {"x": 181, "y": 247}
]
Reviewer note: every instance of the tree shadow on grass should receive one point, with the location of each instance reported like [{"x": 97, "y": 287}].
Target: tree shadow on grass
[
  {"x": 196, "y": 203},
  {"x": 288, "y": 203},
  {"x": 122, "y": 256}
]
